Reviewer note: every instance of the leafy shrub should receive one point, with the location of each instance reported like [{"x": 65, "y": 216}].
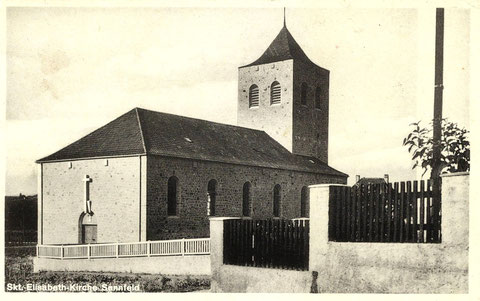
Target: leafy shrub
[{"x": 455, "y": 147}]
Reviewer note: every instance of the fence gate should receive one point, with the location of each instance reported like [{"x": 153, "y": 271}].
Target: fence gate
[{"x": 267, "y": 243}]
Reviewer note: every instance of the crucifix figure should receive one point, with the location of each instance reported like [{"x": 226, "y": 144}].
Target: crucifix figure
[{"x": 88, "y": 203}]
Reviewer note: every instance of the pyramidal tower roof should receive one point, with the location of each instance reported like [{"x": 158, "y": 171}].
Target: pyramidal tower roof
[{"x": 283, "y": 47}]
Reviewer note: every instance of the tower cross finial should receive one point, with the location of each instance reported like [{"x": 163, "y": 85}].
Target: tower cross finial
[{"x": 284, "y": 18}]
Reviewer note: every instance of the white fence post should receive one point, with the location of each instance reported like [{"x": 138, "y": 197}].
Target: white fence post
[
  {"x": 183, "y": 246},
  {"x": 318, "y": 245},
  {"x": 117, "y": 248},
  {"x": 38, "y": 253},
  {"x": 216, "y": 250},
  {"x": 88, "y": 251},
  {"x": 148, "y": 248},
  {"x": 61, "y": 252}
]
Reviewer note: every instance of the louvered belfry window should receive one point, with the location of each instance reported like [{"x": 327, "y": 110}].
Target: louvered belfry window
[
  {"x": 253, "y": 96},
  {"x": 275, "y": 93}
]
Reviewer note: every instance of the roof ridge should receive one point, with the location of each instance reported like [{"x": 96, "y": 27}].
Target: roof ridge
[
  {"x": 144, "y": 143},
  {"x": 93, "y": 133},
  {"x": 204, "y": 120},
  {"x": 290, "y": 39},
  {"x": 293, "y": 46}
]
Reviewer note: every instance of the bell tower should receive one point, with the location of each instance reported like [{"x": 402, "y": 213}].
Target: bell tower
[{"x": 286, "y": 95}]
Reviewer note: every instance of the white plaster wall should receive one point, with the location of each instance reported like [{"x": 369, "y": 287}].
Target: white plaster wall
[
  {"x": 239, "y": 279},
  {"x": 394, "y": 268},
  {"x": 168, "y": 265},
  {"x": 276, "y": 120},
  {"x": 115, "y": 193}
]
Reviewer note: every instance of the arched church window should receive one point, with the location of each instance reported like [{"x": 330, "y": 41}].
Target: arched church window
[
  {"x": 303, "y": 201},
  {"x": 211, "y": 197},
  {"x": 275, "y": 93},
  {"x": 303, "y": 94},
  {"x": 172, "y": 196},
  {"x": 318, "y": 98},
  {"x": 253, "y": 96},
  {"x": 277, "y": 190},
  {"x": 246, "y": 199}
]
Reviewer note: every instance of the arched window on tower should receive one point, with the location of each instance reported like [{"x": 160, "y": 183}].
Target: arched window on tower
[
  {"x": 211, "y": 197},
  {"x": 277, "y": 199},
  {"x": 303, "y": 201},
  {"x": 172, "y": 195},
  {"x": 275, "y": 93},
  {"x": 253, "y": 96},
  {"x": 246, "y": 199},
  {"x": 318, "y": 98},
  {"x": 303, "y": 94}
]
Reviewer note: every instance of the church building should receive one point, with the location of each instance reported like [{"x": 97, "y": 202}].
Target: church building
[{"x": 152, "y": 176}]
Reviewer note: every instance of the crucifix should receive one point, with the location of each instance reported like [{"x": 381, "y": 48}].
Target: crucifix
[{"x": 88, "y": 203}]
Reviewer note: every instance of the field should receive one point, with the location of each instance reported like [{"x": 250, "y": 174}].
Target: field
[{"x": 19, "y": 270}]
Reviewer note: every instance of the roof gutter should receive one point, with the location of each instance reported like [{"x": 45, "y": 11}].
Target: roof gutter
[{"x": 91, "y": 158}]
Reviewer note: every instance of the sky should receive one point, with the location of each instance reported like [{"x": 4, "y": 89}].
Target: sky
[{"x": 72, "y": 70}]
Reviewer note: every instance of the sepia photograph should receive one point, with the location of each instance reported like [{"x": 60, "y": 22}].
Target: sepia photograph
[{"x": 262, "y": 148}]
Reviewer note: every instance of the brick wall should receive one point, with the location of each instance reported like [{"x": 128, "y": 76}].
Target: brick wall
[
  {"x": 114, "y": 191},
  {"x": 119, "y": 190},
  {"x": 310, "y": 125},
  {"x": 193, "y": 176}
]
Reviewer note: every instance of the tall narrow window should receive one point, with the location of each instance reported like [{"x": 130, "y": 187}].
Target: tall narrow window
[
  {"x": 211, "y": 197},
  {"x": 318, "y": 98},
  {"x": 303, "y": 202},
  {"x": 246, "y": 199},
  {"x": 303, "y": 94},
  {"x": 172, "y": 195},
  {"x": 277, "y": 190},
  {"x": 253, "y": 96},
  {"x": 275, "y": 93}
]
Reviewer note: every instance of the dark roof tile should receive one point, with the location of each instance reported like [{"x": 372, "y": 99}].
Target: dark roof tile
[
  {"x": 141, "y": 131},
  {"x": 119, "y": 137},
  {"x": 283, "y": 47}
]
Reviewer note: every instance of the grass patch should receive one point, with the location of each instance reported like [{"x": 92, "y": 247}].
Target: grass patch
[{"x": 19, "y": 270}]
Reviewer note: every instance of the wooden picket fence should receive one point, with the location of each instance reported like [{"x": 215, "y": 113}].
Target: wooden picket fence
[
  {"x": 175, "y": 247},
  {"x": 267, "y": 243},
  {"x": 402, "y": 212}
]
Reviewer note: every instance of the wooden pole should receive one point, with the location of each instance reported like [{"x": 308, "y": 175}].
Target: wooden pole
[
  {"x": 438, "y": 94},
  {"x": 437, "y": 125}
]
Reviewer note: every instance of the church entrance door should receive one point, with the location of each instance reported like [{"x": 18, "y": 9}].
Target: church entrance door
[
  {"x": 88, "y": 228},
  {"x": 89, "y": 234}
]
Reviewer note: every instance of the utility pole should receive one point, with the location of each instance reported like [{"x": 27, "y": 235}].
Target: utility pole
[
  {"x": 437, "y": 129},
  {"x": 438, "y": 95}
]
